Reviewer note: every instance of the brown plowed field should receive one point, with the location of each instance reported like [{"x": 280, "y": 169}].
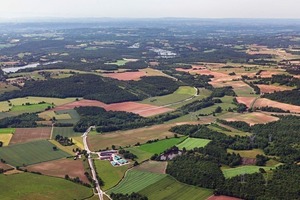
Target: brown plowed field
[
  {"x": 221, "y": 197},
  {"x": 83, "y": 102},
  {"x": 59, "y": 168},
  {"x": 144, "y": 110},
  {"x": 272, "y": 88},
  {"x": 245, "y": 100},
  {"x": 23, "y": 135},
  {"x": 267, "y": 102},
  {"x": 250, "y": 118},
  {"x": 125, "y": 76}
]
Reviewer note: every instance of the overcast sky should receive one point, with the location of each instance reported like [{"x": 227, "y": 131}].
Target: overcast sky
[{"x": 150, "y": 8}]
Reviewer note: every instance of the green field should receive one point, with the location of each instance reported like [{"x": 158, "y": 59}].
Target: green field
[
  {"x": 30, "y": 108},
  {"x": 161, "y": 145},
  {"x": 191, "y": 143},
  {"x": 231, "y": 172},
  {"x": 169, "y": 188},
  {"x": 36, "y": 100},
  {"x": 141, "y": 155},
  {"x": 65, "y": 131},
  {"x": 109, "y": 174},
  {"x": 135, "y": 181},
  {"x": 182, "y": 93},
  {"x": 30, "y": 153},
  {"x": 118, "y": 62},
  {"x": 34, "y": 187},
  {"x": 7, "y": 130}
]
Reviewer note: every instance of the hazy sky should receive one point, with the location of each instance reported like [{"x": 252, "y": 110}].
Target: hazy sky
[{"x": 150, "y": 8}]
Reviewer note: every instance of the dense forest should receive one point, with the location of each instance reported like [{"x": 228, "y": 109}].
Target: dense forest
[
  {"x": 21, "y": 121},
  {"x": 96, "y": 88}
]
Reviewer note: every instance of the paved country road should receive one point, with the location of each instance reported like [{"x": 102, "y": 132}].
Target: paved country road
[{"x": 86, "y": 147}]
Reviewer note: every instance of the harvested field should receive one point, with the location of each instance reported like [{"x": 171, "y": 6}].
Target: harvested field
[
  {"x": 263, "y": 102},
  {"x": 269, "y": 74},
  {"x": 153, "y": 166},
  {"x": 5, "y": 167},
  {"x": 247, "y": 153},
  {"x": 31, "y": 153},
  {"x": 125, "y": 76},
  {"x": 23, "y": 135},
  {"x": 59, "y": 168},
  {"x": 144, "y": 110},
  {"x": 36, "y": 100},
  {"x": 5, "y": 138},
  {"x": 246, "y": 100},
  {"x": 272, "y": 88},
  {"x": 222, "y": 197},
  {"x": 250, "y": 118},
  {"x": 130, "y": 137},
  {"x": 154, "y": 72}
]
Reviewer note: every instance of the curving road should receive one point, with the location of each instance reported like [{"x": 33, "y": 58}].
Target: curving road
[{"x": 86, "y": 147}]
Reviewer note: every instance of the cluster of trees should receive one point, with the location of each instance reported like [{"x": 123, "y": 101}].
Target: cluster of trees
[
  {"x": 283, "y": 184},
  {"x": 132, "y": 196},
  {"x": 77, "y": 180},
  {"x": 65, "y": 141},
  {"x": 273, "y": 109},
  {"x": 127, "y": 154},
  {"x": 195, "y": 170},
  {"x": 289, "y": 97},
  {"x": 95, "y": 87},
  {"x": 223, "y": 91},
  {"x": 25, "y": 120},
  {"x": 197, "y": 105}
]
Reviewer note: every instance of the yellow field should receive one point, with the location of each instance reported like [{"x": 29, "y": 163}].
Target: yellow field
[
  {"x": 247, "y": 153},
  {"x": 68, "y": 149},
  {"x": 34, "y": 100},
  {"x": 47, "y": 115},
  {"x": 78, "y": 142},
  {"x": 5, "y": 138}
]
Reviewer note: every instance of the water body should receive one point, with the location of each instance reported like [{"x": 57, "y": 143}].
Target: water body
[{"x": 33, "y": 65}]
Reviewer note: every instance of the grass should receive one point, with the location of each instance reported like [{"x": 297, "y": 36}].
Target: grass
[
  {"x": 4, "y": 87},
  {"x": 152, "y": 166},
  {"x": 109, "y": 174},
  {"x": 5, "y": 138},
  {"x": 182, "y": 93},
  {"x": 72, "y": 113},
  {"x": 65, "y": 131},
  {"x": 48, "y": 115},
  {"x": 169, "y": 188},
  {"x": 135, "y": 181},
  {"x": 118, "y": 62},
  {"x": 141, "y": 155},
  {"x": 231, "y": 172},
  {"x": 232, "y": 132},
  {"x": 7, "y": 130},
  {"x": 160, "y": 146},
  {"x": 30, "y": 153},
  {"x": 247, "y": 153},
  {"x": 129, "y": 138},
  {"x": 34, "y": 187},
  {"x": 30, "y": 108},
  {"x": 191, "y": 143},
  {"x": 35, "y": 100}
]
